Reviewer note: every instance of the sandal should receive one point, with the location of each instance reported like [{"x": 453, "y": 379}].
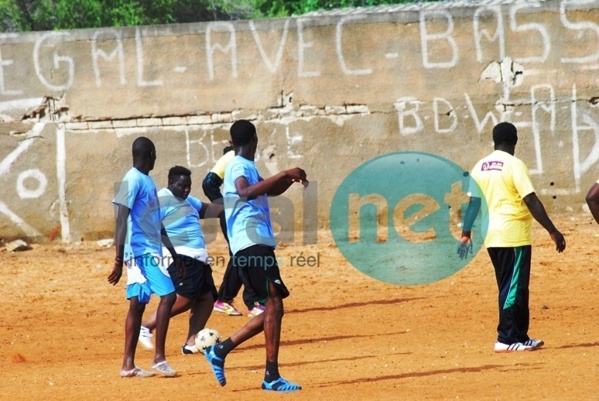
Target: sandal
[
  {"x": 136, "y": 372},
  {"x": 164, "y": 369}
]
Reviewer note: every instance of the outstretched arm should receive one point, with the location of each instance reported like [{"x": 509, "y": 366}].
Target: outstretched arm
[
  {"x": 272, "y": 186},
  {"x": 209, "y": 210},
  {"x": 537, "y": 210},
  {"x": 593, "y": 201}
]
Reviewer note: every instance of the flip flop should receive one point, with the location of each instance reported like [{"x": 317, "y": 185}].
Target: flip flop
[
  {"x": 164, "y": 369},
  {"x": 136, "y": 372}
]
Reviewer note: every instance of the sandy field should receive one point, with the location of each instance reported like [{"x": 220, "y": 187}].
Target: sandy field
[{"x": 345, "y": 335}]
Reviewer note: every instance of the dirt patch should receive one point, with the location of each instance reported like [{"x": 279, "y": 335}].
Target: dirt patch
[{"x": 345, "y": 336}]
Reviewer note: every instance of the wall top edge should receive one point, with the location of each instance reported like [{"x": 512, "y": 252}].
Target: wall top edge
[{"x": 395, "y": 13}]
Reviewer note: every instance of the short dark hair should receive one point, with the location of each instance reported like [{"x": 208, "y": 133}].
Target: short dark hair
[
  {"x": 227, "y": 149},
  {"x": 177, "y": 171},
  {"x": 142, "y": 146},
  {"x": 242, "y": 132},
  {"x": 505, "y": 133}
]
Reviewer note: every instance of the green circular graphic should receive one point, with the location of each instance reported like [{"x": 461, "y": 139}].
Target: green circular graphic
[{"x": 397, "y": 218}]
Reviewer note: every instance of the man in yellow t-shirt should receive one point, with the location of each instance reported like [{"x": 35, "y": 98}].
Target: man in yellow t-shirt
[
  {"x": 214, "y": 179},
  {"x": 503, "y": 181}
]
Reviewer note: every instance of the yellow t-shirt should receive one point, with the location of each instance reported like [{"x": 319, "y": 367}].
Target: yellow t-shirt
[
  {"x": 221, "y": 164},
  {"x": 503, "y": 181}
]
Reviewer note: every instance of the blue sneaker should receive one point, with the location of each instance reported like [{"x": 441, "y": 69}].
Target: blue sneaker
[
  {"x": 217, "y": 364},
  {"x": 280, "y": 385}
]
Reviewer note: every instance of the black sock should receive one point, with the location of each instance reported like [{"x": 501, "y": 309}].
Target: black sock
[
  {"x": 272, "y": 371},
  {"x": 223, "y": 348}
]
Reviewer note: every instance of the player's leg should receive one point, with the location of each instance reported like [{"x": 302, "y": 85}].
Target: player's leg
[
  {"x": 161, "y": 284},
  {"x": 503, "y": 262},
  {"x": 199, "y": 314},
  {"x": 228, "y": 290},
  {"x": 182, "y": 303},
  {"x": 200, "y": 290},
  {"x": 522, "y": 312},
  {"x": 163, "y": 314},
  {"x": 273, "y": 317},
  {"x": 216, "y": 354},
  {"x": 251, "y": 299},
  {"x": 132, "y": 327},
  {"x": 254, "y": 276},
  {"x": 252, "y": 302},
  {"x": 138, "y": 295},
  {"x": 231, "y": 283},
  {"x": 506, "y": 263}
]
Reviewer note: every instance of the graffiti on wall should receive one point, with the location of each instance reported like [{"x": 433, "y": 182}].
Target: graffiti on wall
[
  {"x": 108, "y": 48},
  {"x": 494, "y": 29},
  {"x": 40, "y": 190}
]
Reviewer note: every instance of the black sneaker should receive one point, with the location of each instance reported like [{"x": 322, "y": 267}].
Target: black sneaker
[{"x": 189, "y": 349}]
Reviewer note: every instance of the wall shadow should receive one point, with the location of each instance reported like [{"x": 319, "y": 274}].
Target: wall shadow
[
  {"x": 327, "y": 339},
  {"x": 516, "y": 367},
  {"x": 354, "y": 305},
  {"x": 476, "y": 369},
  {"x": 582, "y": 345}
]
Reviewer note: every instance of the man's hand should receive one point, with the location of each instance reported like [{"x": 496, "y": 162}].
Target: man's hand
[
  {"x": 465, "y": 247},
  {"x": 297, "y": 175},
  {"x": 560, "y": 241},
  {"x": 117, "y": 271}
]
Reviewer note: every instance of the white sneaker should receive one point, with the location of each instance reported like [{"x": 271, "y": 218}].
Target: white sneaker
[
  {"x": 189, "y": 349},
  {"x": 226, "y": 308},
  {"x": 501, "y": 347},
  {"x": 256, "y": 310},
  {"x": 534, "y": 343},
  {"x": 145, "y": 338}
]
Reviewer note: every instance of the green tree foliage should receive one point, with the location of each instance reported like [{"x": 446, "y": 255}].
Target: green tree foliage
[
  {"x": 39, "y": 15},
  {"x": 286, "y": 8}
]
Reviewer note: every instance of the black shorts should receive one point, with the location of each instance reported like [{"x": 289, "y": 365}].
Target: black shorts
[
  {"x": 257, "y": 266},
  {"x": 197, "y": 279}
]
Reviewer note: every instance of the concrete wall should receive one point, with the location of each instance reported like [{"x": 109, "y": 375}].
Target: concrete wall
[{"x": 327, "y": 92}]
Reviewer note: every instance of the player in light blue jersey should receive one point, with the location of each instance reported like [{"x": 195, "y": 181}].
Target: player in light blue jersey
[
  {"x": 252, "y": 242},
  {"x": 231, "y": 283},
  {"x": 181, "y": 214},
  {"x": 138, "y": 231}
]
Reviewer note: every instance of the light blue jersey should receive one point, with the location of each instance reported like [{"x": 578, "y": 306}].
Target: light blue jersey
[
  {"x": 143, "y": 249},
  {"x": 137, "y": 191},
  {"x": 181, "y": 220},
  {"x": 248, "y": 222}
]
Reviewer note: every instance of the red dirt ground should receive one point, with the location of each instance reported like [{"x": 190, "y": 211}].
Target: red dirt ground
[{"x": 345, "y": 335}]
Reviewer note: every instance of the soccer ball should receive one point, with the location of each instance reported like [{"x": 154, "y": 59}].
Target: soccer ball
[{"x": 207, "y": 337}]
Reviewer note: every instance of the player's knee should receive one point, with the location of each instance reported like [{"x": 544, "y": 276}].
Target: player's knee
[
  {"x": 136, "y": 307},
  {"x": 169, "y": 299},
  {"x": 274, "y": 305}
]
